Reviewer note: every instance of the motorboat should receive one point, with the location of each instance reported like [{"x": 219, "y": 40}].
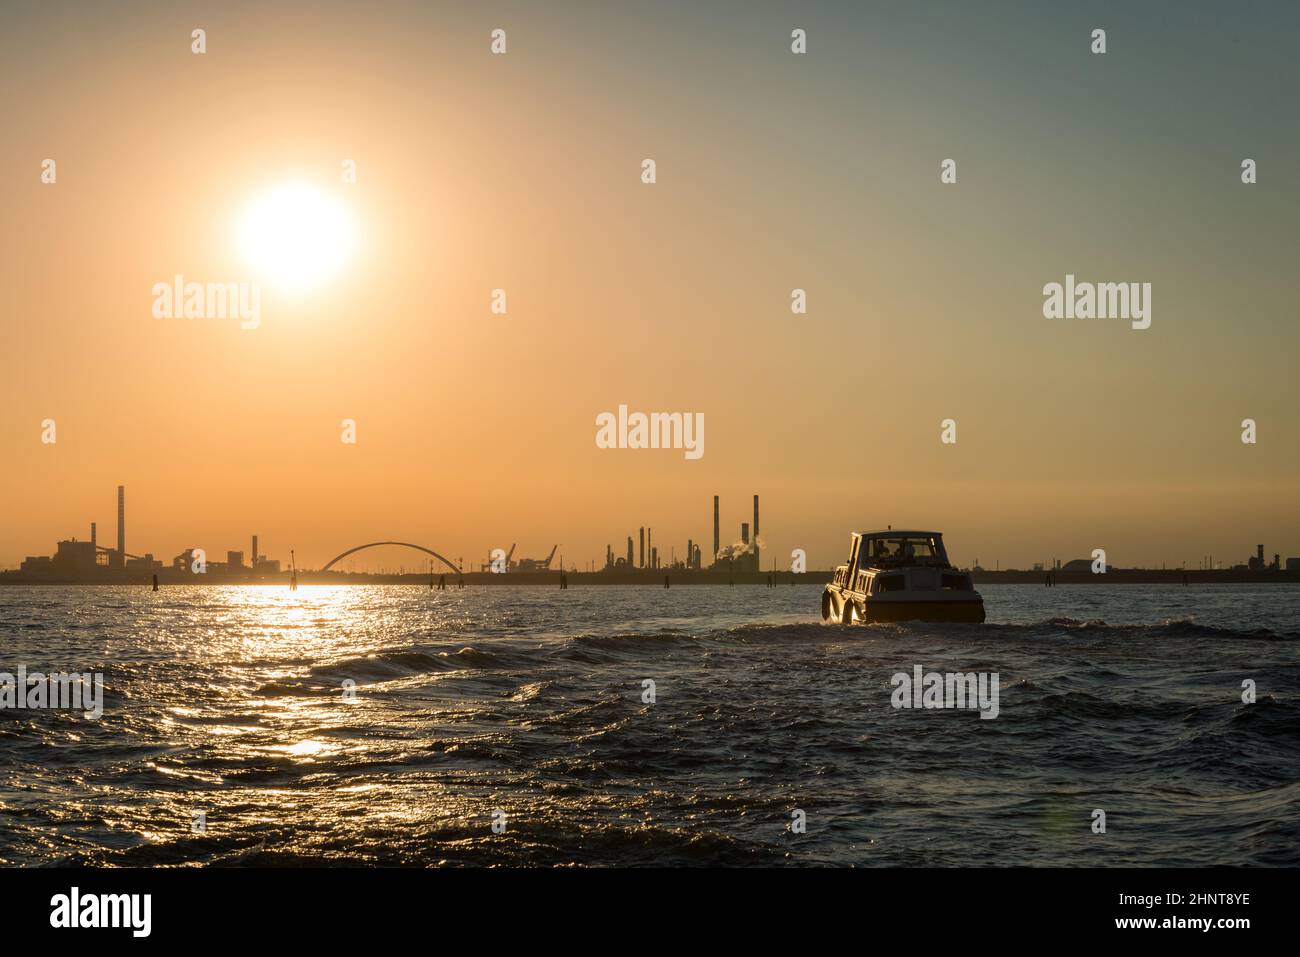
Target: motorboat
[{"x": 900, "y": 576}]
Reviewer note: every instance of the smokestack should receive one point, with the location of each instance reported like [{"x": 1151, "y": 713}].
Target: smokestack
[
  {"x": 629, "y": 551},
  {"x": 690, "y": 552},
  {"x": 121, "y": 524},
  {"x": 717, "y": 540},
  {"x": 93, "y": 539},
  {"x": 756, "y": 527},
  {"x": 744, "y": 532},
  {"x": 253, "y": 563},
  {"x": 641, "y": 553},
  {"x": 1259, "y": 550}
]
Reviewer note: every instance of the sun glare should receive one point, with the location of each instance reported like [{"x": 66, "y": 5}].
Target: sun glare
[{"x": 296, "y": 236}]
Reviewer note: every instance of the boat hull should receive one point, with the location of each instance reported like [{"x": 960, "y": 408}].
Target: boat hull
[
  {"x": 848, "y": 608},
  {"x": 971, "y": 612}
]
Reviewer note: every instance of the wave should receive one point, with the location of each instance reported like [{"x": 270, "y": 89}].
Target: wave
[
  {"x": 1048, "y": 627},
  {"x": 398, "y": 663},
  {"x": 1166, "y": 628},
  {"x": 623, "y": 641}
]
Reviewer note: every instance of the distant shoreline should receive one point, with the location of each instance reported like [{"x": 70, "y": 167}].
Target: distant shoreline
[{"x": 1116, "y": 576}]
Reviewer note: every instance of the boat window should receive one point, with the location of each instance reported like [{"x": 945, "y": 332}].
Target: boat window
[{"x": 902, "y": 548}]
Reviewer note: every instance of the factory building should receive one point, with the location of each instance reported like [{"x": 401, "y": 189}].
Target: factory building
[{"x": 744, "y": 556}]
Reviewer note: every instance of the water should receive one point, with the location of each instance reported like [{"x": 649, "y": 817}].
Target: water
[{"x": 528, "y": 701}]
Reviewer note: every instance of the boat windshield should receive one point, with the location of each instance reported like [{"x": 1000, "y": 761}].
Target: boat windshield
[{"x": 900, "y": 549}]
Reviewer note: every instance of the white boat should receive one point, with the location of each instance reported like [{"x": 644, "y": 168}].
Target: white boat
[{"x": 900, "y": 576}]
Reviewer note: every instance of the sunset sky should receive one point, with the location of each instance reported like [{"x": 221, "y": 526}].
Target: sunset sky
[{"x": 775, "y": 171}]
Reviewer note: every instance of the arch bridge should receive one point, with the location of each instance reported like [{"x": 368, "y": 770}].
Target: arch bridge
[{"x": 419, "y": 548}]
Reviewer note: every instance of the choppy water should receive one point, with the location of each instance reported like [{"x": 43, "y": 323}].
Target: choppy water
[{"x": 529, "y": 701}]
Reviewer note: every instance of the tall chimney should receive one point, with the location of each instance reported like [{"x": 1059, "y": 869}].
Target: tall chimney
[
  {"x": 744, "y": 532},
  {"x": 756, "y": 529},
  {"x": 253, "y": 563},
  {"x": 121, "y": 525},
  {"x": 93, "y": 540},
  {"x": 717, "y": 541},
  {"x": 641, "y": 553}
]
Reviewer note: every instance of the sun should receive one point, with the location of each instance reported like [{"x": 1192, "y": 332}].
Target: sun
[{"x": 296, "y": 236}]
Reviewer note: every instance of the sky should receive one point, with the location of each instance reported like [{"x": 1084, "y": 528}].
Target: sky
[{"x": 775, "y": 171}]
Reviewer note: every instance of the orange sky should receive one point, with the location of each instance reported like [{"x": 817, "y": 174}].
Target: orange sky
[{"x": 521, "y": 172}]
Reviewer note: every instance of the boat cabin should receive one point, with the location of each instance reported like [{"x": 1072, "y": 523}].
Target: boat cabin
[{"x": 890, "y": 548}]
